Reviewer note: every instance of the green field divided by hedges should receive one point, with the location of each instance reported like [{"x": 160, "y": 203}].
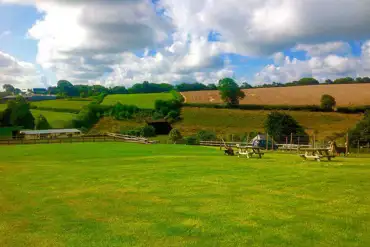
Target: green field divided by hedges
[
  {"x": 140, "y": 100},
  {"x": 61, "y": 104},
  {"x": 118, "y": 194},
  {"x": 57, "y": 120}
]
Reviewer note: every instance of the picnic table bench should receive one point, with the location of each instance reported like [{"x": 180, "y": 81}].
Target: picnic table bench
[
  {"x": 316, "y": 153},
  {"x": 249, "y": 151}
]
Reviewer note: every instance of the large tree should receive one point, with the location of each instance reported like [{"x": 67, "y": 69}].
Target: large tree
[
  {"x": 18, "y": 113},
  {"x": 230, "y": 92},
  {"x": 328, "y": 102},
  {"x": 280, "y": 125},
  {"x": 9, "y": 88}
]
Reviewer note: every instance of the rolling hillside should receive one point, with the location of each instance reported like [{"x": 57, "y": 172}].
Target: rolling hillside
[
  {"x": 225, "y": 121},
  {"x": 345, "y": 95},
  {"x": 140, "y": 100}
]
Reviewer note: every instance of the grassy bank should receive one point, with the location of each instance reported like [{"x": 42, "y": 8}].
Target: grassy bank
[{"x": 140, "y": 100}]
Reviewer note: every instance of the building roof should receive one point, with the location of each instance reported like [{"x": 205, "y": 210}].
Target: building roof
[{"x": 50, "y": 131}]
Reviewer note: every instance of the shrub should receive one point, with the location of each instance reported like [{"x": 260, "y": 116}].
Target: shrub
[
  {"x": 191, "y": 140},
  {"x": 147, "y": 131},
  {"x": 41, "y": 123},
  {"x": 175, "y": 135},
  {"x": 178, "y": 96},
  {"x": 205, "y": 135}
]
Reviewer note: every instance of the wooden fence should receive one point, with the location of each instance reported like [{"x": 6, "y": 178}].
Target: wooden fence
[{"x": 99, "y": 138}]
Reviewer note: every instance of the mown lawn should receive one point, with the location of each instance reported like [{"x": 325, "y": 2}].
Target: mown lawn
[
  {"x": 140, "y": 100},
  {"x": 56, "y": 119},
  {"x": 62, "y": 104},
  {"x": 115, "y": 194}
]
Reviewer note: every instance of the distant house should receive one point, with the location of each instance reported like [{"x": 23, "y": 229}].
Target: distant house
[
  {"x": 47, "y": 134},
  {"x": 30, "y": 97},
  {"x": 39, "y": 90}
]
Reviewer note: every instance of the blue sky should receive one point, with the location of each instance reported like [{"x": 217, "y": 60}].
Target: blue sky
[{"x": 121, "y": 43}]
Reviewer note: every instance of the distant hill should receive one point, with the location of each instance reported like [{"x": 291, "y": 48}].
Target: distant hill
[{"x": 344, "y": 94}]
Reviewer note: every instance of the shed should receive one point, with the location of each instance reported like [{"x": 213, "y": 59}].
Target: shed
[{"x": 50, "y": 133}]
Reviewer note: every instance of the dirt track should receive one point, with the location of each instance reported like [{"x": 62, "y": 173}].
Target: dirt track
[{"x": 345, "y": 95}]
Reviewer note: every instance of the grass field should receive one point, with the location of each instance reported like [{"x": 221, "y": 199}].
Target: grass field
[
  {"x": 62, "y": 104},
  {"x": 345, "y": 95},
  {"x": 140, "y": 100},
  {"x": 56, "y": 119},
  {"x": 225, "y": 121},
  {"x": 241, "y": 121},
  {"x": 119, "y": 194}
]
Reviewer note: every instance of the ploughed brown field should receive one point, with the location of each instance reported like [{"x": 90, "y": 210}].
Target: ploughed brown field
[{"x": 344, "y": 94}]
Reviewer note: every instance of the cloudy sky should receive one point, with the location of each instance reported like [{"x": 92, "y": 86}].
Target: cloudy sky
[{"x": 121, "y": 42}]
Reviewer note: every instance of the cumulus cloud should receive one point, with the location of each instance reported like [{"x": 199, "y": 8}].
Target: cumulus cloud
[
  {"x": 324, "y": 49},
  {"x": 130, "y": 41},
  {"x": 18, "y": 73},
  {"x": 320, "y": 67}
]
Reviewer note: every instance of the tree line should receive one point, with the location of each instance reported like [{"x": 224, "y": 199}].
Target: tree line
[{"x": 65, "y": 88}]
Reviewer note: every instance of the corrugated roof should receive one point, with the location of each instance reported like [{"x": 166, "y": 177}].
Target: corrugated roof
[{"x": 50, "y": 131}]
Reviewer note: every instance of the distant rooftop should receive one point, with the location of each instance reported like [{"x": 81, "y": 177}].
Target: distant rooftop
[{"x": 49, "y": 131}]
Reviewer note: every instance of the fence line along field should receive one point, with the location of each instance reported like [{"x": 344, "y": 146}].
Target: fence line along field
[
  {"x": 344, "y": 94},
  {"x": 119, "y": 194},
  {"x": 140, "y": 100},
  {"x": 62, "y": 104}
]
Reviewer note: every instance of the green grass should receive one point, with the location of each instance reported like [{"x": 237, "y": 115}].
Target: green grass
[
  {"x": 56, "y": 119},
  {"x": 115, "y": 194},
  {"x": 140, "y": 100},
  {"x": 62, "y": 104}
]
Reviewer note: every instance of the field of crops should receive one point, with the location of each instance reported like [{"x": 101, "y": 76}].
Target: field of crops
[
  {"x": 140, "y": 100},
  {"x": 345, "y": 95},
  {"x": 116, "y": 194},
  {"x": 57, "y": 120},
  {"x": 62, "y": 104}
]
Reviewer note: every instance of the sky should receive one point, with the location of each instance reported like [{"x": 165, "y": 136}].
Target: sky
[{"x": 123, "y": 42}]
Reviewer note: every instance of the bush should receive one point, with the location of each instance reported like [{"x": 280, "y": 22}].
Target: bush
[
  {"x": 175, "y": 135},
  {"x": 191, "y": 140},
  {"x": 41, "y": 123},
  {"x": 205, "y": 135},
  {"x": 178, "y": 96},
  {"x": 147, "y": 131}
]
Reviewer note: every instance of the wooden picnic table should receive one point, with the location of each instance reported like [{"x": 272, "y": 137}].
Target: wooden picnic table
[
  {"x": 249, "y": 151},
  {"x": 316, "y": 153}
]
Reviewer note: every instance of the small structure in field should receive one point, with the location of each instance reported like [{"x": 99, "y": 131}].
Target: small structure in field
[
  {"x": 162, "y": 127},
  {"x": 48, "y": 134}
]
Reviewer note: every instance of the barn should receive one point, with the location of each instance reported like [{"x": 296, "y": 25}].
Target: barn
[{"x": 48, "y": 134}]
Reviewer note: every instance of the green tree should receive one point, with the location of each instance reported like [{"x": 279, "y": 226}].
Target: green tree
[
  {"x": 230, "y": 92},
  {"x": 18, "y": 113},
  {"x": 361, "y": 132},
  {"x": 308, "y": 81},
  {"x": 147, "y": 131},
  {"x": 41, "y": 123},
  {"x": 9, "y": 88},
  {"x": 328, "y": 102},
  {"x": 175, "y": 135},
  {"x": 246, "y": 85},
  {"x": 279, "y": 125},
  {"x": 328, "y": 81}
]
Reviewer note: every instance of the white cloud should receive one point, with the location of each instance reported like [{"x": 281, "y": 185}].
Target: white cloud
[
  {"x": 320, "y": 67},
  {"x": 4, "y": 34},
  {"x": 88, "y": 41},
  {"x": 324, "y": 49},
  {"x": 18, "y": 73}
]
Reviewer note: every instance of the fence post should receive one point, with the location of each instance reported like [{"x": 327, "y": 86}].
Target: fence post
[
  {"x": 314, "y": 140},
  {"x": 267, "y": 141},
  {"x": 291, "y": 141},
  {"x": 358, "y": 146},
  {"x": 347, "y": 146}
]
